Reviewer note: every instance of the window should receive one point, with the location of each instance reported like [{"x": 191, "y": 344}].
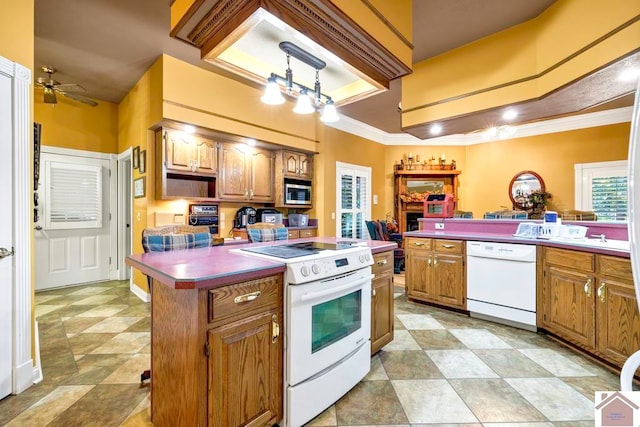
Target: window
[
  {"x": 73, "y": 196},
  {"x": 602, "y": 187},
  {"x": 353, "y": 202}
]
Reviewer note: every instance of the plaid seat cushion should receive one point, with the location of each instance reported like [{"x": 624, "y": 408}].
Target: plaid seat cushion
[
  {"x": 267, "y": 234},
  {"x": 173, "y": 242}
]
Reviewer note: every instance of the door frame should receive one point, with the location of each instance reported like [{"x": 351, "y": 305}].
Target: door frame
[
  {"x": 113, "y": 196},
  {"x": 24, "y": 372},
  {"x": 125, "y": 209}
]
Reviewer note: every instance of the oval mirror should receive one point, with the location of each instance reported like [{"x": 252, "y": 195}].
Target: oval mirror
[{"x": 521, "y": 187}]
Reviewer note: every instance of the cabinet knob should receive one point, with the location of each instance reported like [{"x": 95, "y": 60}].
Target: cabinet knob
[
  {"x": 587, "y": 287},
  {"x": 602, "y": 292}
]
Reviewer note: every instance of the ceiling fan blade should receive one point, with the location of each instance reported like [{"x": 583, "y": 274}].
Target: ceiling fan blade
[
  {"x": 47, "y": 81},
  {"x": 49, "y": 96},
  {"x": 69, "y": 87},
  {"x": 80, "y": 98}
]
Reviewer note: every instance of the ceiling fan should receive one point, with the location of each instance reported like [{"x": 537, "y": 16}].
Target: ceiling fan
[{"x": 52, "y": 86}]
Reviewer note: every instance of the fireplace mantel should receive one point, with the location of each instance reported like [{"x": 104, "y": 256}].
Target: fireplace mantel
[{"x": 449, "y": 179}]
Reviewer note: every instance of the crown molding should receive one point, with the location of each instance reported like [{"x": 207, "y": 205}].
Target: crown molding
[{"x": 581, "y": 121}]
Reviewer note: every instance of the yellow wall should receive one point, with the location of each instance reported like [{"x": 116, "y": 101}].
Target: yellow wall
[
  {"x": 523, "y": 51},
  {"x": 490, "y": 167},
  {"x": 16, "y": 31},
  {"x": 137, "y": 113},
  {"x": 336, "y": 145},
  {"x": 70, "y": 124}
]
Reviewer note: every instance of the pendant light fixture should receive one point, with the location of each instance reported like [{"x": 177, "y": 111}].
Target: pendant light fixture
[{"x": 308, "y": 100}]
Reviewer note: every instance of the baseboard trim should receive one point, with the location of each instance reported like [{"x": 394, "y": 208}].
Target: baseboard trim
[
  {"x": 37, "y": 370},
  {"x": 144, "y": 296},
  {"x": 23, "y": 377}
]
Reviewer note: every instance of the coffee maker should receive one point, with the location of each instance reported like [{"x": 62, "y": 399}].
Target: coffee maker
[{"x": 245, "y": 215}]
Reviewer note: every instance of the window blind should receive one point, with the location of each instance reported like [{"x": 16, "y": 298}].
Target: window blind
[
  {"x": 354, "y": 201},
  {"x": 609, "y": 197},
  {"x": 73, "y": 196}
]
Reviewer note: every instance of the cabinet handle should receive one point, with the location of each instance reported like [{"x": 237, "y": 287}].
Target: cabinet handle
[
  {"x": 246, "y": 194},
  {"x": 251, "y": 194},
  {"x": 373, "y": 292},
  {"x": 602, "y": 292},
  {"x": 275, "y": 328},
  {"x": 435, "y": 261},
  {"x": 587, "y": 287},
  {"x": 448, "y": 246},
  {"x": 419, "y": 243},
  {"x": 246, "y": 297},
  {"x": 382, "y": 262}
]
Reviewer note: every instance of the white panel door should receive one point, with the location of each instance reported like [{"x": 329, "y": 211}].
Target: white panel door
[
  {"x": 71, "y": 256},
  {"x": 6, "y": 236}
]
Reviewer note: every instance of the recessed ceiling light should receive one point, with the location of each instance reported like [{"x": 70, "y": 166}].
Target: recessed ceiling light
[
  {"x": 436, "y": 129},
  {"x": 629, "y": 74},
  {"x": 189, "y": 129},
  {"x": 510, "y": 114}
]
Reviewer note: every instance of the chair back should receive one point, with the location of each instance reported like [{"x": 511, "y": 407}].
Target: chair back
[
  {"x": 266, "y": 232},
  {"x": 175, "y": 237}
]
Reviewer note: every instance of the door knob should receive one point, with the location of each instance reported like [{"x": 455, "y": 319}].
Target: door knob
[
  {"x": 4, "y": 252},
  {"x": 38, "y": 227}
]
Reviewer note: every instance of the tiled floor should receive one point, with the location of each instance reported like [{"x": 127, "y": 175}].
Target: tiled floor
[{"x": 442, "y": 368}]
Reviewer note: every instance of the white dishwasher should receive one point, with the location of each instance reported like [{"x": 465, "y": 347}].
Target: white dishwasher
[{"x": 501, "y": 283}]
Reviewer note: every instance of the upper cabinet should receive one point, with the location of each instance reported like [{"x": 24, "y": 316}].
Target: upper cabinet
[
  {"x": 298, "y": 165},
  {"x": 245, "y": 174},
  {"x": 190, "y": 153}
]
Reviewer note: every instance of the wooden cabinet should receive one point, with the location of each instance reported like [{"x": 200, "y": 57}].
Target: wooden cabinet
[
  {"x": 245, "y": 362},
  {"x": 217, "y": 354},
  {"x": 302, "y": 233},
  {"x": 297, "y": 165},
  {"x": 589, "y": 300},
  {"x": 382, "y": 301},
  {"x": 245, "y": 174},
  {"x": 435, "y": 271},
  {"x": 191, "y": 153},
  {"x": 292, "y": 166},
  {"x": 186, "y": 166}
]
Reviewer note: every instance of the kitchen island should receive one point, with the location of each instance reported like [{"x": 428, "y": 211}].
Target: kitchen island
[{"x": 216, "y": 333}]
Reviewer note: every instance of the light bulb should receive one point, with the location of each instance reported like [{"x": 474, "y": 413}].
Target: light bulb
[
  {"x": 272, "y": 94},
  {"x": 329, "y": 113},
  {"x": 435, "y": 129},
  {"x": 303, "y": 106}
]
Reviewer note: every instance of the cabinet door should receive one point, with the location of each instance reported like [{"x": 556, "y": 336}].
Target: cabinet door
[
  {"x": 291, "y": 163},
  {"x": 419, "y": 275},
  {"x": 382, "y": 301},
  {"x": 234, "y": 172},
  {"x": 449, "y": 280},
  {"x": 206, "y": 158},
  {"x": 568, "y": 306},
  {"x": 261, "y": 176},
  {"x": 179, "y": 152},
  {"x": 618, "y": 333},
  {"x": 293, "y": 234},
  {"x": 310, "y": 232},
  {"x": 245, "y": 372},
  {"x": 305, "y": 165}
]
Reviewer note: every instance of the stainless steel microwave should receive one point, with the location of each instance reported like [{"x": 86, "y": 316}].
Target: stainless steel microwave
[{"x": 297, "y": 194}]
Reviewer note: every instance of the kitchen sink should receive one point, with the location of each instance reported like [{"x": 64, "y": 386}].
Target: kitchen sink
[{"x": 619, "y": 245}]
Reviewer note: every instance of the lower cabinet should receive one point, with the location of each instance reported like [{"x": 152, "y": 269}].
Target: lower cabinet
[
  {"x": 589, "y": 300},
  {"x": 217, "y": 354},
  {"x": 434, "y": 271},
  {"x": 382, "y": 301},
  {"x": 302, "y": 233}
]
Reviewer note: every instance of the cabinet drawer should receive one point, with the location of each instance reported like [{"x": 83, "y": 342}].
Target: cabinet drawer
[
  {"x": 448, "y": 246},
  {"x": 415, "y": 243},
  {"x": 308, "y": 233},
  {"x": 614, "y": 267},
  {"x": 293, "y": 234},
  {"x": 243, "y": 298},
  {"x": 382, "y": 262},
  {"x": 572, "y": 259}
]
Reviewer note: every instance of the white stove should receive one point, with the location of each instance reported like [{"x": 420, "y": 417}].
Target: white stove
[{"x": 327, "y": 319}]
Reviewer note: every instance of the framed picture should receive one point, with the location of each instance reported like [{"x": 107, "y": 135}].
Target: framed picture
[
  {"x": 139, "y": 187},
  {"x": 143, "y": 161},
  {"x": 136, "y": 157}
]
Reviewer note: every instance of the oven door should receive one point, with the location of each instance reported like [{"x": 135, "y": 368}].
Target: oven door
[{"x": 327, "y": 320}]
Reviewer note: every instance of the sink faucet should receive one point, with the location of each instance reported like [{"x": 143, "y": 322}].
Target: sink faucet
[{"x": 602, "y": 237}]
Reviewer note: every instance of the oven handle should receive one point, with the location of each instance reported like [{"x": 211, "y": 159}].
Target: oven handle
[{"x": 314, "y": 295}]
